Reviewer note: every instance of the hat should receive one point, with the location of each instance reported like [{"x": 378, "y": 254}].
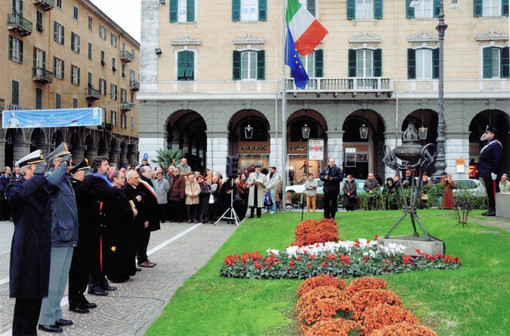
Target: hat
[
  {"x": 61, "y": 150},
  {"x": 504, "y": 175},
  {"x": 490, "y": 129},
  {"x": 258, "y": 166},
  {"x": 444, "y": 173},
  {"x": 273, "y": 167},
  {"x": 32, "y": 158},
  {"x": 84, "y": 164}
]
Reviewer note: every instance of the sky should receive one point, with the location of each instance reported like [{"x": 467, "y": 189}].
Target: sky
[{"x": 126, "y": 13}]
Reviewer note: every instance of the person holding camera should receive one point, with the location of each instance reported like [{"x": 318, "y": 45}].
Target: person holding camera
[{"x": 332, "y": 175}]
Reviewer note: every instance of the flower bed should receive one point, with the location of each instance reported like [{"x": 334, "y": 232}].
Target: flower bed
[
  {"x": 311, "y": 231},
  {"x": 362, "y": 308}
]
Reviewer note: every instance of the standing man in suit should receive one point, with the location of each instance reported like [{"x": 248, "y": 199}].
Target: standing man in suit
[
  {"x": 257, "y": 182},
  {"x": 332, "y": 175},
  {"x": 272, "y": 185},
  {"x": 489, "y": 167},
  {"x": 152, "y": 219}
]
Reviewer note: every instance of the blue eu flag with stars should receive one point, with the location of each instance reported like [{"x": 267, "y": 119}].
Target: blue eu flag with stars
[{"x": 293, "y": 60}]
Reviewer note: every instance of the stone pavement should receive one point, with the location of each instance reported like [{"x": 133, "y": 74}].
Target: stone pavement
[{"x": 135, "y": 304}]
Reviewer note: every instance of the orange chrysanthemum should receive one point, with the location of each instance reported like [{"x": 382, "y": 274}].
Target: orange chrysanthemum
[
  {"x": 319, "y": 281},
  {"x": 336, "y": 327},
  {"x": 377, "y": 317},
  {"x": 372, "y": 298},
  {"x": 363, "y": 284},
  {"x": 404, "y": 328},
  {"x": 324, "y": 309},
  {"x": 319, "y": 293}
]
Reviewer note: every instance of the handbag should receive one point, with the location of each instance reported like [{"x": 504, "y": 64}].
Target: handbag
[{"x": 267, "y": 199}]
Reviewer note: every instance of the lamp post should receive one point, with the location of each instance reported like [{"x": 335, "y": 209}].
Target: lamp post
[
  {"x": 305, "y": 133},
  {"x": 248, "y": 132}
]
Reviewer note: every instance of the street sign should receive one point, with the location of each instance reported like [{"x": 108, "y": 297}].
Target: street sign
[
  {"x": 145, "y": 156},
  {"x": 316, "y": 149}
]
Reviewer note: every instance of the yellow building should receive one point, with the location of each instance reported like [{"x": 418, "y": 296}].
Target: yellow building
[
  {"x": 211, "y": 81},
  {"x": 68, "y": 54}
]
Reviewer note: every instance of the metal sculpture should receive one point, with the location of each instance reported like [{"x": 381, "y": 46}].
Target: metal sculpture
[{"x": 414, "y": 157}]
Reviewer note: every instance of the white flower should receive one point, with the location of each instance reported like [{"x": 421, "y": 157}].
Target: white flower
[{"x": 275, "y": 252}]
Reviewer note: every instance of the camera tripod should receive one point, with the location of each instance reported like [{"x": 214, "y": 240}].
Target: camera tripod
[{"x": 233, "y": 215}]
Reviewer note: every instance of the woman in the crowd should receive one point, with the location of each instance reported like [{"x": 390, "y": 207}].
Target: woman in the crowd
[
  {"x": 192, "y": 198},
  {"x": 241, "y": 198},
  {"x": 204, "y": 198},
  {"x": 350, "y": 197},
  {"x": 390, "y": 193},
  {"x": 214, "y": 192},
  {"x": 424, "y": 197},
  {"x": 448, "y": 184}
]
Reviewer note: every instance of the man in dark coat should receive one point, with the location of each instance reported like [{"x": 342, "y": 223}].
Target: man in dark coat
[
  {"x": 332, "y": 175},
  {"x": 152, "y": 220},
  {"x": 176, "y": 196},
  {"x": 489, "y": 167},
  {"x": 4, "y": 205},
  {"x": 31, "y": 243}
]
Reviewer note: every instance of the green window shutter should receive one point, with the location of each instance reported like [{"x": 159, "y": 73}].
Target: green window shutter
[
  {"x": 435, "y": 63},
  {"x": 377, "y": 62},
  {"x": 190, "y": 11},
  {"x": 437, "y": 7},
  {"x": 236, "y": 65},
  {"x": 15, "y": 93},
  {"x": 487, "y": 62},
  {"x": 173, "y": 10},
  {"x": 319, "y": 63},
  {"x": 352, "y": 63},
  {"x": 478, "y": 8},
  {"x": 55, "y": 34},
  {"x": 378, "y": 9},
  {"x": 35, "y": 57},
  {"x": 411, "y": 63},
  {"x": 181, "y": 64},
  {"x": 409, "y": 10},
  {"x": 504, "y": 7},
  {"x": 310, "y": 5},
  {"x": 262, "y": 10},
  {"x": 10, "y": 47},
  {"x": 505, "y": 63},
  {"x": 261, "y": 64},
  {"x": 63, "y": 35},
  {"x": 190, "y": 65},
  {"x": 21, "y": 51},
  {"x": 236, "y": 10},
  {"x": 351, "y": 9}
]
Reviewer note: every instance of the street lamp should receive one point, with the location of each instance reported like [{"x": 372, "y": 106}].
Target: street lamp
[
  {"x": 305, "y": 132},
  {"x": 248, "y": 132},
  {"x": 363, "y": 132}
]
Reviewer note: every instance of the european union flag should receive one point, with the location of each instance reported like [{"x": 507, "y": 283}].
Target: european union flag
[{"x": 293, "y": 60}]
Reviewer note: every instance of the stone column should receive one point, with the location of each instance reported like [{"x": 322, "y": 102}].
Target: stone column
[
  {"x": 335, "y": 147},
  {"x": 457, "y": 147},
  {"x": 150, "y": 146},
  {"x": 21, "y": 149},
  {"x": 275, "y": 151},
  {"x": 217, "y": 151},
  {"x": 2, "y": 153}
]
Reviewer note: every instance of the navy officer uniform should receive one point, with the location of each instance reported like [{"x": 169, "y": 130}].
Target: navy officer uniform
[
  {"x": 489, "y": 167},
  {"x": 31, "y": 243}
]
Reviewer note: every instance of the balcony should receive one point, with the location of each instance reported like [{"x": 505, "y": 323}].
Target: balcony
[
  {"x": 2, "y": 104},
  {"x": 42, "y": 76},
  {"x": 352, "y": 85},
  {"x": 124, "y": 107},
  {"x": 45, "y": 5},
  {"x": 126, "y": 56},
  {"x": 18, "y": 23},
  {"x": 92, "y": 94},
  {"x": 134, "y": 85}
]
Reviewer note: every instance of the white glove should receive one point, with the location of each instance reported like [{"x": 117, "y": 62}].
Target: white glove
[{"x": 494, "y": 176}]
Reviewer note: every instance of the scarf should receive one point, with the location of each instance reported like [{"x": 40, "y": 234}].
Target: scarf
[
  {"x": 96, "y": 174},
  {"x": 148, "y": 187}
]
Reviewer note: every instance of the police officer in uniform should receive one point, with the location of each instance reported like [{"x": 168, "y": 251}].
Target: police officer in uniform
[
  {"x": 31, "y": 243},
  {"x": 489, "y": 167}
]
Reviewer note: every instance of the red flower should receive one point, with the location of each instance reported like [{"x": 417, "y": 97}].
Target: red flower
[
  {"x": 324, "y": 264},
  {"x": 356, "y": 243},
  {"x": 291, "y": 264},
  {"x": 257, "y": 264},
  {"x": 298, "y": 257},
  {"x": 366, "y": 258},
  {"x": 406, "y": 259},
  {"x": 312, "y": 257},
  {"x": 345, "y": 259},
  {"x": 330, "y": 256},
  {"x": 376, "y": 236}
]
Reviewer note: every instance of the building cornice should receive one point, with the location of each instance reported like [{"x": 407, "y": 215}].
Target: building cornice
[
  {"x": 248, "y": 39},
  {"x": 492, "y": 35},
  {"x": 423, "y": 37},
  {"x": 186, "y": 40},
  {"x": 365, "y": 37}
]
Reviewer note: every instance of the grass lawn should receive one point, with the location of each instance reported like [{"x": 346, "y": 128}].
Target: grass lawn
[{"x": 472, "y": 301}]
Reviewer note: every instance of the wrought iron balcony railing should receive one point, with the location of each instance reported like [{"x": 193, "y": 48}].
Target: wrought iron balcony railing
[
  {"x": 125, "y": 106},
  {"x": 45, "y": 5},
  {"x": 42, "y": 75},
  {"x": 92, "y": 94},
  {"x": 134, "y": 85},
  {"x": 126, "y": 56},
  {"x": 18, "y": 23}
]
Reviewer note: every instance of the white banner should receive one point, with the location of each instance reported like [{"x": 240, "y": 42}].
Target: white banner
[{"x": 316, "y": 149}]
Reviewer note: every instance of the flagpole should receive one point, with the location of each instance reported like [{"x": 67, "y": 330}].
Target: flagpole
[{"x": 284, "y": 109}]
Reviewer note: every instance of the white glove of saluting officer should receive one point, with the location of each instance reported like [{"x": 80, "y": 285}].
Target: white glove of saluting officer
[
  {"x": 494, "y": 176},
  {"x": 40, "y": 168}
]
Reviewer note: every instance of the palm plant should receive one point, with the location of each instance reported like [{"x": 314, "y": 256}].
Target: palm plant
[{"x": 166, "y": 157}]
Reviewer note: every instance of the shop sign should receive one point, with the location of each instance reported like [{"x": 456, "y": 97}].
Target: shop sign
[
  {"x": 316, "y": 149},
  {"x": 297, "y": 148},
  {"x": 253, "y": 147}
]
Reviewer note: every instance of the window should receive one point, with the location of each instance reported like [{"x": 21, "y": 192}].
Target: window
[
  {"x": 123, "y": 121},
  {"x": 364, "y": 9},
  {"x": 114, "y": 66},
  {"x": 58, "y": 32},
  {"x": 185, "y": 65},
  {"x": 495, "y": 62},
  {"x": 424, "y": 9},
  {"x": 426, "y": 63},
  {"x": 249, "y": 64},
  {"x": 103, "y": 63},
  {"x": 365, "y": 63},
  {"x": 113, "y": 40},
  {"x": 58, "y": 100},
  {"x": 15, "y": 49},
  {"x": 491, "y": 7},
  {"x": 75, "y": 43},
  {"x": 182, "y": 10},
  {"x": 38, "y": 98},
  {"x": 132, "y": 98},
  {"x": 58, "y": 68},
  {"x": 75, "y": 75},
  {"x": 90, "y": 23},
  {"x": 249, "y": 10},
  {"x": 123, "y": 67},
  {"x": 90, "y": 51},
  {"x": 132, "y": 75},
  {"x": 113, "y": 118},
  {"x": 39, "y": 58},
  {"x": 59, "y": 4},
  {"x": 75, "y": 12},
  {"x": 102, "y": 87},
  {"x": 132, "y": 119},
  {"x": 89, "y": 81},
  {"x": 39, "y": 21},
  {"x": 102, "y": 32},
  {"x": 15, "y": 93},
  {"x": 310, "y": 6},
  {"x": 75, "y": 103},
  {"x": 123, "y": 95},
  {"x": 113, "y": 91}
]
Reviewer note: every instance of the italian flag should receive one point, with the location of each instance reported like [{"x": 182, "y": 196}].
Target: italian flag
[{"x": 306, "y": 31}]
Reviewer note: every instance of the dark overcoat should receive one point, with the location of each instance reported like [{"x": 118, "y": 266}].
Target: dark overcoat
[
  {"x": 31, "y": 243},
  {"x": 150, "y": 201}
]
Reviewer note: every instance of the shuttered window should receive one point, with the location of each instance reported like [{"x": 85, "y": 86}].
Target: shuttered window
[
  {"x": 15, "y": 93},
  {"x": 58, "y": 32},
  {"x": 15, "y": 49},
  {"x": 185, "y": 65},
  {"x": 364, "y": 9},
  {"x": 249, "y": 10},
  {"x": 182, "y": 10},
  {"x": 38, "y": 98},
  {"x": 495, "y": 62},
  {"x": 365, "y": 63},
  {"x": 249, "y": 64},
  {"x": 490, "y": 7}
]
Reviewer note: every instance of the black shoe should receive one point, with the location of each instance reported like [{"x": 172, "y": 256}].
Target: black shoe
[
  {"x": 110, "y": 288},
  {"x": 63, "y": 323},
  {"x": 490, "y": 213},
  {"x": 138, "y": 269},
  {"x": 122, "y": 280},
  {"x": 98, "y": 292},
  {"x": 50, "y": 328},
  {"x": 89, "y": 305},
  {"x": 79, "y": 310}
]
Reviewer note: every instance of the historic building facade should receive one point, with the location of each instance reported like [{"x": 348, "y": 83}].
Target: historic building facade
[
  {"x": 68, "y": 54},
  {"x": 211, "y": 81}
]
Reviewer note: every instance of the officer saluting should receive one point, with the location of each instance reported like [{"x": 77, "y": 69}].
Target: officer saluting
[
  {"x": 31, "y": 243},
  {"x": 489, "y": 167}
]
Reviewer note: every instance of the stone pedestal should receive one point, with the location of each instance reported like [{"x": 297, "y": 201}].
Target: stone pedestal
[
  {"x": 503, "y": 205},
  {"x": 411, "y": 243}
]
